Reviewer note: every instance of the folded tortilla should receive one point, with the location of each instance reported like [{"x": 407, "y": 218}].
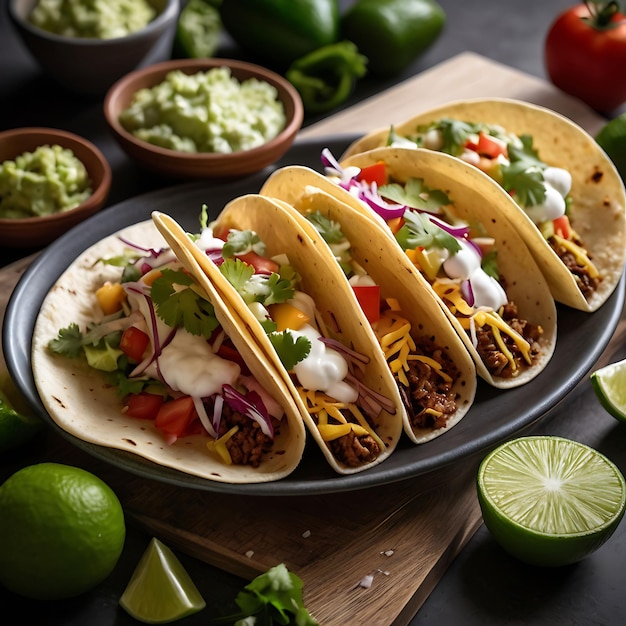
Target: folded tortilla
[
  {"x": 475, "y": 199},
  {"x": 399, "y": 281},
  {"x": 280, "y": 231},
  {"x": 598, "y": 208},
  {"x": 82, "y": 402}
]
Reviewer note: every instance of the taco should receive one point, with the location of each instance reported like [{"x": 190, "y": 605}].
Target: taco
[
  {"x": 130, "y": 352},
  {"x": 568, "y": 198},
  {"x": 297, "y": 311},
  {"x": 432, "y": 369},
  {"x": 504, "y": 312}
]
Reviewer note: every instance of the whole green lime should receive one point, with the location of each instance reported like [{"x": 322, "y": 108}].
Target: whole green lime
[
  {"x": 612, "y": 139},
  {"x": 62, "y": 531}
]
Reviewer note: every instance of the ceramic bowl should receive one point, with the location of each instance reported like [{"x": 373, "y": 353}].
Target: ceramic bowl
[
  {"x": 36, "y": 232},
  {"x": 202, "y": 165},
  {"x": 91, "y": 66}
]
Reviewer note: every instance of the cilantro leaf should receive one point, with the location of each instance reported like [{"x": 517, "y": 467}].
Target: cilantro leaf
[
  {"x": 180, "y": 305},
  {"x": 327, "y": 228},
  {"x": 242, "y": 242},
  {"x": 69, "y": 342},
  {"x": 289, "y": 351},
  {"x": 489, "y": 264},
  {"x": 419, "y": 231},
  {"x": 415, "y": 194},
  {"x": 454, "y": 134},
  {"x": 265, "y": 289},
  {"x": 523, "y": 177}
]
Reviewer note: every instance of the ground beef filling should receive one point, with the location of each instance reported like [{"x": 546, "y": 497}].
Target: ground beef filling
[
  {"x": 428, "y": 390},
  {"x": 249, "y": 444},
  {"x": 494, "y": 359},
  {"x": 352, "y": 450},
  {"x": 586, "y": 283}
]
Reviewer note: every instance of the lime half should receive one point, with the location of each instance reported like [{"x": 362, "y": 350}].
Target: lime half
[
  {"x": 609, "y": 384},
  {"x": 550, "y": 501},
  {"x": 160, "y": 590}
]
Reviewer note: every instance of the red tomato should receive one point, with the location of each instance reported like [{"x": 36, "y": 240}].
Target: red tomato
[
  {"x": 369, "y": 299},
  {"x": 261, "y": 264},
  {"x": 376, "y": 173},
  {"x": 175, "y": 416},
  {"x": 562, "y": 227},
  {"x": 490, "y": 147},
  {"x": 143, "y": 405},
  {"x": 134, "y": 343},
  {"x": 585, "y": 54},
  {"x": 229, "y": 352}
]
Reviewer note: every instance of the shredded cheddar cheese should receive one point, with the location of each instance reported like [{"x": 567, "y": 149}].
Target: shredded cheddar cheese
[
  {"x": 331, "y": 422},
  {"x": 580, "y": 254},
  {"x": 219, "y": 445}
]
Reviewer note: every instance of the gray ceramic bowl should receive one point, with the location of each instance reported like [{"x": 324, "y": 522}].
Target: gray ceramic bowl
[{"x": 91, "y": 66}]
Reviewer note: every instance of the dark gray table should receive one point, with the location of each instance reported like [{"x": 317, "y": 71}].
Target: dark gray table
[{"x": 483, "y": 585}]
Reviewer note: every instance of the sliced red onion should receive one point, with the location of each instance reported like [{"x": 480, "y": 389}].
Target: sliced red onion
[
  {"x": 204, "y": 417},
  {"x": 340, "y": 347},
  {"x": 251, "y": 405},
  {"x": 378, "y": 204},
  {"x": 467, "y": 292}
]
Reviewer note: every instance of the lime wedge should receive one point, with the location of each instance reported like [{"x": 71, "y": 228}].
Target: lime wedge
[
  {"x": 18, "y": 424},
  {"x": 160, "y": 590},
  {"x": 550, "y": 501},
  {"x": 609, "y": 384}
]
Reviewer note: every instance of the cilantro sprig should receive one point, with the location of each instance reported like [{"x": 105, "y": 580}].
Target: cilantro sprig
[
  {"x": 274, "y": 597},
  {"x": 523, "y": 177},
  {"x": 180, "y": 304},
  {"x": 419, "y": 231},
  {"x": 415, "y": 194}
]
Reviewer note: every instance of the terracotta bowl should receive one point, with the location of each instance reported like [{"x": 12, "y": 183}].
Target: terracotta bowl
[
  {"x": 202, "y": 165},
  {"x": 91, "y": 66},
  {"x": 36, "y": 232}
]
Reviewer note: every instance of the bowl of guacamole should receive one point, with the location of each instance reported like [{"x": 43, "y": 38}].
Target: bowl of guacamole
[
  {"x": 86, "y": 45},
  {"x": 50, "y": 180},
  {"x": 204, "y": 118}
]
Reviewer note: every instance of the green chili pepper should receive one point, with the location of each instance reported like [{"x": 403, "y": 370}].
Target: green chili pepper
[
  {"x": 326, "y": 76},
  {"x": 392, "y": 33},
  {"x": 281, "y": 31}
]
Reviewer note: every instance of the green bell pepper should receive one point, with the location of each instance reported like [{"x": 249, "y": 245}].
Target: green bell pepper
[
  {"x": 392, "y": 33},
  {"x": 281, "y": 31},
  {"x": 326, "y": 77}
]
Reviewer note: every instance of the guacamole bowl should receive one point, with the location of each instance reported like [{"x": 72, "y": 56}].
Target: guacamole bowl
[
  {"x": 207, "y": 118},
  {"x": 29, "y": 149},
  {"x": 91, "y": 61}
]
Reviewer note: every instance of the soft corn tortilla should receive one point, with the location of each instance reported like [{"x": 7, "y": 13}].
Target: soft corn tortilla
[
  {"x": 280, "y": 231},
  {"x": 391, "y": 269},
  {"x": 597, "y": 212},
  {"x": 81, "y": 402},
  {"x": 475, "y": 198}
]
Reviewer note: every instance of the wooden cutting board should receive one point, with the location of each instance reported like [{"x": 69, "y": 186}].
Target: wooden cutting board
[{"x": 398, "y": 538}]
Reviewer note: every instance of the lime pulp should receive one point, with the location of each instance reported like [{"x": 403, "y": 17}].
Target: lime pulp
[{"x": 609, "y": 385}]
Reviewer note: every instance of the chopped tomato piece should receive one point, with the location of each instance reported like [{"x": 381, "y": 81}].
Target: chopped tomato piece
[
  {"x": 175, "y": 416},
  {"x": 562, "y": 227},
  {"x": 376, "y": 173},
  {"x": 144, "y": 405},
  {"x": 221, "y": 232},
  {"x": 261, "y": 264},
  {"x": 490, "y": 146},
  {"x": 369, "y": 299},
  {"x": 134, "y": 343}
]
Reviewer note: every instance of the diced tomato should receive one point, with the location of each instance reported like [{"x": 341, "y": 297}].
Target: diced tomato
[
  {"x": 261, "y": 264},
  {"x": 175, "y": 416},
  {"x": 369, "y": 299},
  {"x": 562, "y": 227},
  {"x": 489, "y": 146},
  {"x": 395, "y": 224},
  {"x": 134, "y": 343},
  {"x": 144, "y": 405},
  {"x": 376, "y": 173},
  {"x": 229, "y": 352}
]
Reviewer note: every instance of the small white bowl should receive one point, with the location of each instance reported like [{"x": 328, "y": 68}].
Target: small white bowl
[{"x": 91, "y": 66}]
